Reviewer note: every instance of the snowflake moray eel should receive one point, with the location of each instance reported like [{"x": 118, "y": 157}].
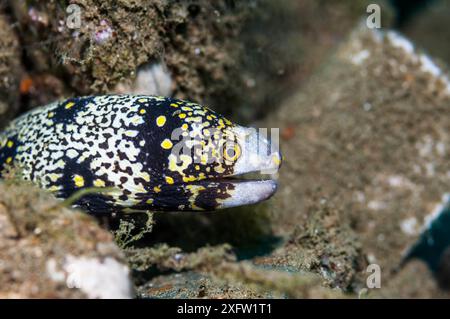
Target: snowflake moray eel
[{"x": 151, "y": 153}]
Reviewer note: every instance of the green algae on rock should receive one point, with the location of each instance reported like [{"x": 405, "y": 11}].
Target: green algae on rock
[
  {"x": 212, "y": 272},
  {"x": 47, "y": 251},
  {"x": 195, "y": 40}
]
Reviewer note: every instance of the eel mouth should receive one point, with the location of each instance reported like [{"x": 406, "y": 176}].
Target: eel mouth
[
  {"x": 248, "y": 192},
  {"x": 241, "y": 190}
]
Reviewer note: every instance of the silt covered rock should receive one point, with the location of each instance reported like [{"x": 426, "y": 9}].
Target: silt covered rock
[
  {"x": 48, "y": 251},
  {"x": 370, "y": 133}
]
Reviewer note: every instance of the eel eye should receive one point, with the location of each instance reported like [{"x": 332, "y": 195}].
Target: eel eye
[{"x": 231, "y": 152}]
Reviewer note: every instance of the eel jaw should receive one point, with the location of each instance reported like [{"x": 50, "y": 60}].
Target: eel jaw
[{"x": 249, "y": 192}]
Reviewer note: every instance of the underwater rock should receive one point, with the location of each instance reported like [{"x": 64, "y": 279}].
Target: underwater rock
[
  {"x": 322, "y": 244},
  {"x": 372, "y": 136},
  {"x": 94, "y": 45},
  {"x": 48, "y": 251},
  {"x": 191, "y": 284},
  {"x": 10, "y": 71},
  {"x": 415, "y": 280},
  {"x": 151, "y": 79},
  {"x": 218, "y": 275}
]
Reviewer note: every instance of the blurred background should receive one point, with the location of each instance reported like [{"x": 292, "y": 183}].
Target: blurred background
[{"x": 362, "y": 113}]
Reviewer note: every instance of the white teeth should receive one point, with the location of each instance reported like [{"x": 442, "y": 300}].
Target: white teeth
[{"x": 247, "y": 193}]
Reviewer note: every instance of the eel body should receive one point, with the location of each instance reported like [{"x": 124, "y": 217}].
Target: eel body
[{"x": 148, "y": 153}]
